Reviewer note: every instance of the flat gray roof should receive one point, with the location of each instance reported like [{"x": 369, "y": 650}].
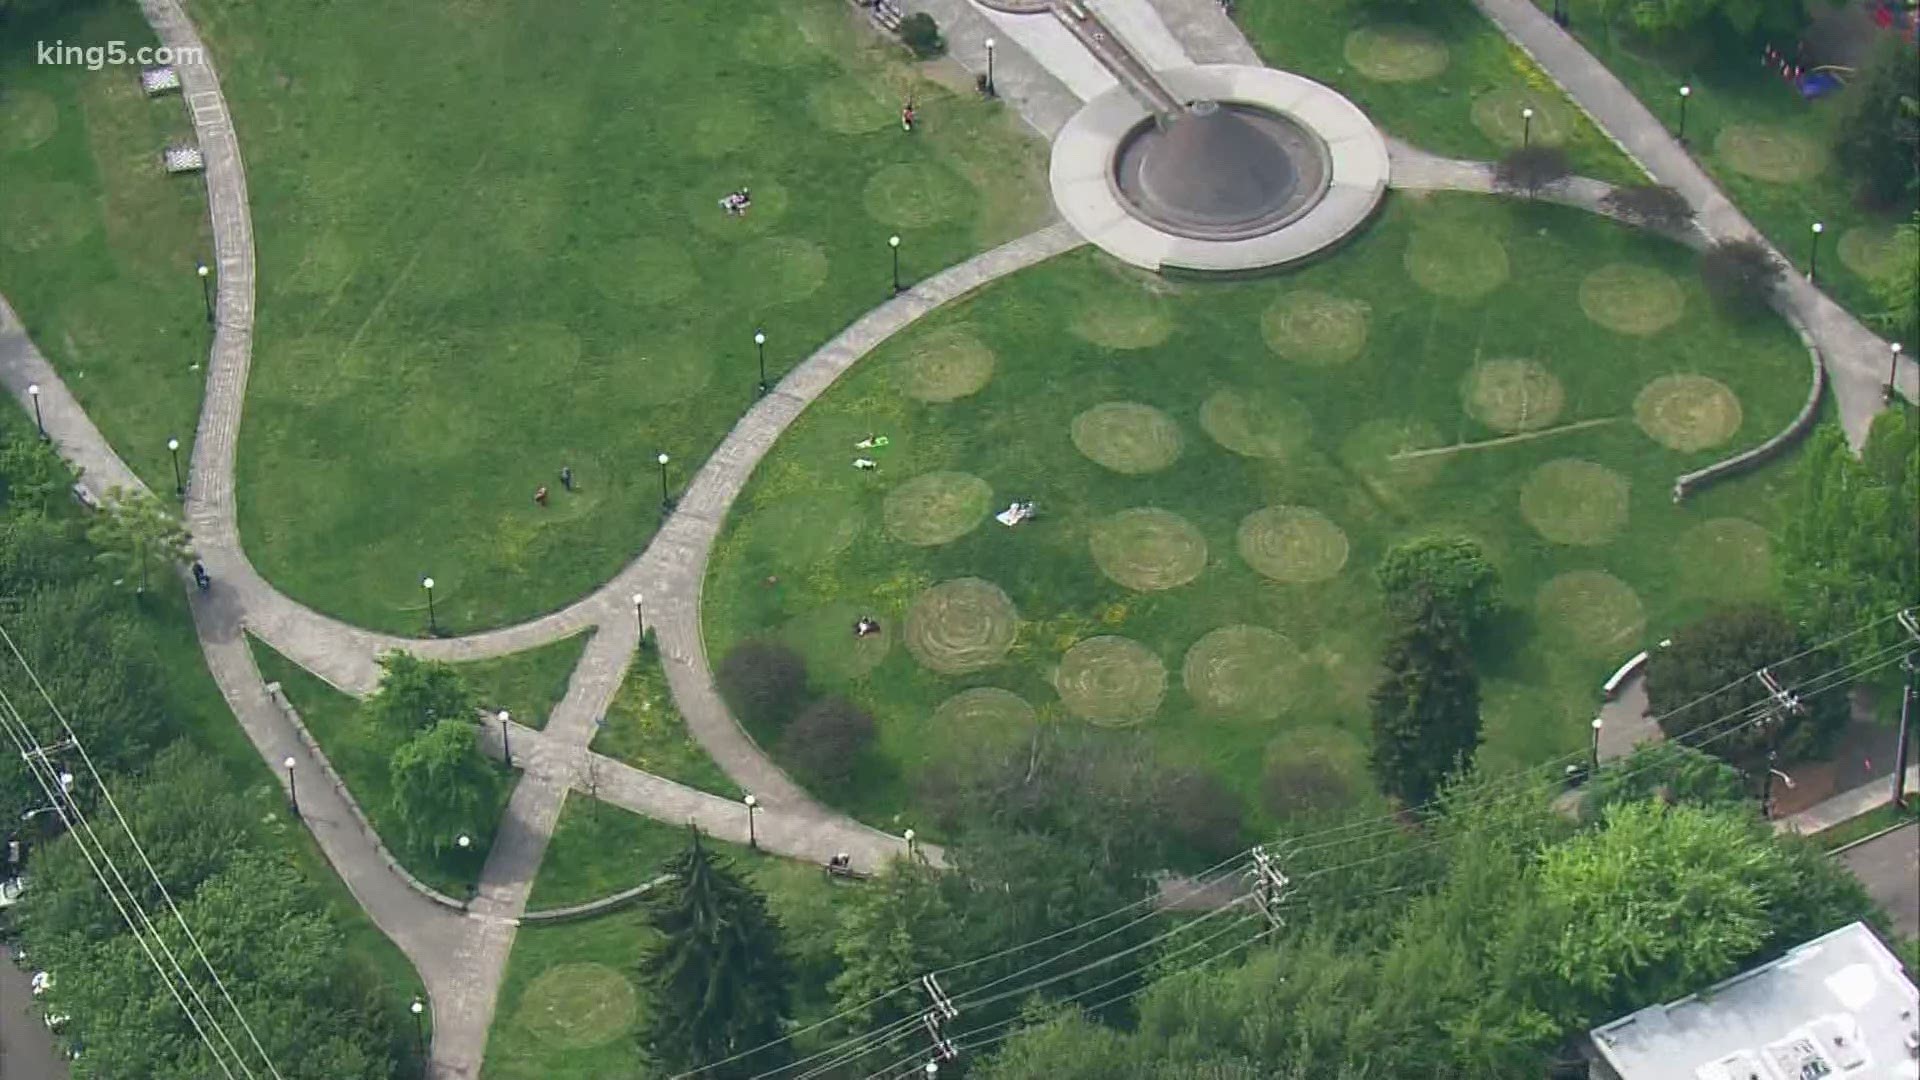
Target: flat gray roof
[{"x": 1838, "y": 1006}]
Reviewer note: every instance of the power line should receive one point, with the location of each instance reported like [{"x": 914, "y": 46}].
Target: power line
[{"x": 140, "y": 850}]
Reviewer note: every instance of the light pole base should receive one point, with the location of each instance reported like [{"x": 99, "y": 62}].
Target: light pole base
[{"x": 763, "y": 388}]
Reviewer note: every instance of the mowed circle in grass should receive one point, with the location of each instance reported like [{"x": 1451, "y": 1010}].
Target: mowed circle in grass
[
  {"x": 782, "y": 268},
  {"x": 27, "y": 119},
  {"x": 1687, "y": 412},
  {"x": 961, "y": 625},
  {"x": 984, "y": 713},
  {"x": 1726, "y": 554},
  {"x": 1595, "y": 613},
  {"x": 1111, "y": 681},
  {"x": 1135, "y": 320},
  {"x": 1870, "y": 250},
  {"x": 578, "y": 1006},
  {"x": 849, "y": 107},
  {"x": 912, "y": 195},
  {"x": 1500, "y": 115},
  {"x": 1395, "y": 52},
  {"x": 1773, "y": 154},
  {"x": 799, "y": 530},
  {"x": 825, "y": 638},
  {"x": 946, "y": 365},
  {"x": 1148, "y": 549},
  {"x": 1127, "y": 437},
  {"x": 666, "y": 371},
  {"x": 1575, "y": 502},
  {"x": 1241, "y": 671},
  {"x": 1381, "y": 452},
  {"x": 1256, "y": 423},
  {"x": 1632, "y": 299},
  {"x": 936, "y": 508},
  {"x": 1292, "y": 544},
  {"x": 1316, "y": 327},
  {"x": 770, "y": 199},
  {"x": 1460, "y": 262},
  {"x": 45, "y": 214},
  {"x": 771, "y": 39},
  {"x": 1513, "y": 395}
]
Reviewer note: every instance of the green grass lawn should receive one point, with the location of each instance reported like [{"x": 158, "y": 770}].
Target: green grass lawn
[
  {"x": 491, "y": 247},
  {"x": 1318, "y": 378},
  {"x": 569, "y": 1004},
  {"x": 1764, "y": 144},
  {"x": 361, "y": 752},
  {"x": 644, "y": 729},
  {"x": 1451, "y": 84},
  {"x": 1871, "y": 823},
  {"x": 97, "y": 244}
]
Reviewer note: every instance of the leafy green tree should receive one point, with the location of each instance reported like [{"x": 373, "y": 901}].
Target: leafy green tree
[
  {"x": 1670, "y": 19},
  {"x": 1709, "y": 674},
  {"x": 1669, "y": 772},
  {"x": 33, "y": 478},
  {"x": 1426, "y": 708},
  {"x": 1850, "y": 551},
  {"x": 416, "y": 694},
  {"x": 717, "y": 976},
  {"x": 895, "y": 929},
  {"x": 1740, "y": 276},
  {"x": 1453, "y": 570},
  {"x": 443, "y": 786},
  {"x": 136, "y": 531},
  {"x": 1877, "y": 135}
]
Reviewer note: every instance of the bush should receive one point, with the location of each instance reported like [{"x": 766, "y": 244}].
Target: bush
[
  {"x": 1740, "y": 275},
  {"x": 922, "y": 35},
  {"x": 1655, "y": 206},
  {"x": 1707, "y": 676},
  {"x": 763, "y": 682},
  {"x": 1201, "y": 815},
  {"x": 1453, "y": 570},
  {"x": 1878, "y": 133},
  {"x": 1531, "y": 168},
  {"x": 823, "y": 742}
]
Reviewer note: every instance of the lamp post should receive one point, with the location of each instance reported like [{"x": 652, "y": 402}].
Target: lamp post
[
  {"x": 908, "y": 837},
  {"x": 894, "y": 243},
  {"x": 640, "y": 618},
  {"x": 991, "y": 92},
  {"x": 753, "y": 804},
  {"x": 293, "y": 796},
  {"x": 506, "y": 747},
  {"x": 33, "y": 391},
  {"x": 173, "y": 447},
  {"x": 1893, "y": 369},
  {"x": 419, "y": 1011},
  {"x": 1593, "y": 752},
  {"x": 1766, "y": 784},
  {"x": 1685, "y": 93},
  {"x": 1526, "y": 127},
  {"x": 465, "y": 842},
  {"x": 433, "y": 624},
  {"x": 666, "y": 501},
  {"x": 206, "y": 288},
  {"x": 1813, "y": 253},
  {"x": 760, "y": 346},
  {"x": 933, "y": 1068}
]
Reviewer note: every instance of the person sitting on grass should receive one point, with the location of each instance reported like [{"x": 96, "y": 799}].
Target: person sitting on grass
[
  {"x": 737, "y": 202},
  {"x": 867, "y": 625}
]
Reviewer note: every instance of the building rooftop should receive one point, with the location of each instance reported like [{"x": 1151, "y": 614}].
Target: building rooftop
[{"x": 1838, "y": 1006}]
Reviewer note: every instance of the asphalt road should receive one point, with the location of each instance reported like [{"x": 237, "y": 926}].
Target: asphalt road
[
  {"x": 26, "y": 1048},
  {"x": 1890, "y": 869}
]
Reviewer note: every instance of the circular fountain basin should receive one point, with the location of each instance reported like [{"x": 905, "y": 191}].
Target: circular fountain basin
[{"x": 1221, "y": 172}]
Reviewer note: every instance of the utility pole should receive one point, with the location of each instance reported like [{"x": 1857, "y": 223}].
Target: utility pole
[
  {"x": 1269, "y": 887},
  {"x": 1785, "y": 703},
  {"x": 940, "y": 1011},
  {"x": 1912, "y": 626}
]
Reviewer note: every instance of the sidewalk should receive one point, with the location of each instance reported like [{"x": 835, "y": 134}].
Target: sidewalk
[{"x": 1846, "y": 806}]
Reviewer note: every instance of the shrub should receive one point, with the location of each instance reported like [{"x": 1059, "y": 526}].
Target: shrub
[
  {"x": 823, "y": 741},
  {"x": 1531, "y": 168},
  {"x": 1200, "y": 814},
  {"x": 763, "y": 682},
  {"x": 1305, "y": 784},
  {"x": 1740, "y": 275},
  {"x": 922, "y": 35},
  {"x": 1655, "y": 206},
  {"x": 1453, "y": 570},
  {"x": 1704, "y": 689}
]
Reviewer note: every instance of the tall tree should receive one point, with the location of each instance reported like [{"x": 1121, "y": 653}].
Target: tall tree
[
  {"x": 1878, "y": 131},
  {"x": 1452, "y": 571},
  {"x": 443, "y": 786},
  {"x": 137, "y": 532},
  {"x": 416, "y": 693},
  {"x": 898, "y": 927},
  {"x": 1898, "y": 285},
  {"x": 1426, "y": 708},
  {"x": 717, "y": 976},
  {"x": 1705, "y": 688}
]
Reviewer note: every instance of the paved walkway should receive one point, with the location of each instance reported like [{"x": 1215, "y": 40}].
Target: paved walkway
[
  {"x": 1855, "y": 357},
  {"x": 1889, "y": 867}
]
